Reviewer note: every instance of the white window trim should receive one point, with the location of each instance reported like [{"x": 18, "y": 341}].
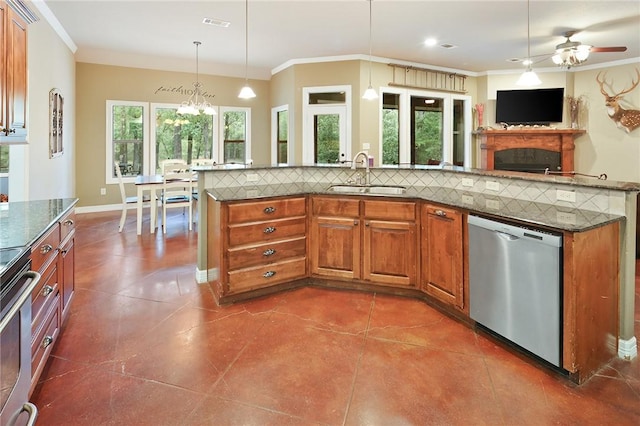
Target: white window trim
[
  {"x": 468, "y": 127},
  {"x": 109, "y": 178},
  {"x": 274, "y": 134},
  {"x": 308, "y": 111},
  {"x": 247, "y": 124}
]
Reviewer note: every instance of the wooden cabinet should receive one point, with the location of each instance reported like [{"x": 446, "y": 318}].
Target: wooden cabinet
[
  {"x": 256, "y": 244},
  {"x": 442, "y": 254},
  {"x": 13, "y": 76},
  {"x": 363, "y": 239},
  {"x": 53, "y": 257}
]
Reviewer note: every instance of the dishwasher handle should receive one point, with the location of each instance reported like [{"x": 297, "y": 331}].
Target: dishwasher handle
[{"x": 506, "y": 236}]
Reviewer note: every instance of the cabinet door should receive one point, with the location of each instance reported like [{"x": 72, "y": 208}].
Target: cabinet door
[
  {"x": 442, "y": 274},
  {"x": 335, "y": 247},
  {"x": 14, "y": 93},
  {"x": 389, "y": 252}
]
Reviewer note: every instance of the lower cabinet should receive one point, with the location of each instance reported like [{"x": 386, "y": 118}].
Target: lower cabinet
[
  {"x": 442, "y": 254},
  {"x": 254, "y": 245},
  {"x": 364, "y": 239}
]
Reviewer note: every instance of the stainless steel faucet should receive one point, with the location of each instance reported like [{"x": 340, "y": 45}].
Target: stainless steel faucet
[{"x": 354, "y": 165}]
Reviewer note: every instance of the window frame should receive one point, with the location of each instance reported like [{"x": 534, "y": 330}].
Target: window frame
[
  {"x": 247, "y": 129},
  {"x": 275, "y": 134},
  {"x": 110, "y": 177}
]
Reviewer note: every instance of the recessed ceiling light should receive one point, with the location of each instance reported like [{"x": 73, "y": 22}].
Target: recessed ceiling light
[
  {"x": 429, "y": 101},
  {"x": 430, "y": 42},
  {"x": 216, "y": 22},
  {"x": 514, "y": 60}
]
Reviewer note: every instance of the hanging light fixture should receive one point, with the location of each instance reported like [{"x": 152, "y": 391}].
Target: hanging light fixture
[
  {"x": 246, "y": 92},
  {"x": 571, "y": 56},
  {"x": 196, "y": 101},
  {"x": 370, "y": 93},
  {"x": 529, "y": 77}
]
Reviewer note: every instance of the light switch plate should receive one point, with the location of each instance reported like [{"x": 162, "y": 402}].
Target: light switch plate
[
  {"x": 467, "y": 182},
  {"x": 467, "y": 199},
  {"x": 563, "y": 195},
  {"x": 493, "y": 204},
  {"x": 252, "y": 177},
  {"x": 492, "y": 185}
]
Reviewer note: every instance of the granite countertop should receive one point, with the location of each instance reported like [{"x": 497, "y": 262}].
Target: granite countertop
[
  {"x": 23, "y": 222},
  {"x": 533, "y": 213}
]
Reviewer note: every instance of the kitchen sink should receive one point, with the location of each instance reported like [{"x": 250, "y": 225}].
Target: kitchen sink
[{"x": 369, "y": 189}]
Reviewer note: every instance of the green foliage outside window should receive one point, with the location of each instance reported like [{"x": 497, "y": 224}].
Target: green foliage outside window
[
  {"x": 327, "y": 138},
  {"x": 4, "y": 159},
  {"x": 428, "y": 136},
  {"x": 390, "y": 137},
  {"x": 185, "y": 137},
  {"x": 128, "y": 138},
  {"x": 234, "y": 136}
]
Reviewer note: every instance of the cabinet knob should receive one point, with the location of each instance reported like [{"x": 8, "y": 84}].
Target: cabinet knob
[
  {"x": 46, "y": 248},
  {"x": 68, "y": 222},
  {"x": 366, "y": 224},
  {"x": 441, "y": 213},
  {"x": 269, "y": 210},
  {"x": 47, "y": 341},
  {"x": 269, "y": 252},
  {"x": 269, "y": 274},
  {"x": 355, "y": 222},
  {"x": 269, "y": 230},
  {"x": 46, "y": 290}
]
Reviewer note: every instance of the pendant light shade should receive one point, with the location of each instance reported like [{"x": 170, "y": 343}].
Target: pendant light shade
[
  {"x": 370, "y": 93},
  {"x": 246, "y": 92},
  {"x": 529, "y": 77},
  {"x": 196, "y": 101}
]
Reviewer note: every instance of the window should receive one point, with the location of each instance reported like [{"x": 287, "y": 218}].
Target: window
[
  {"x": 4, "y": 159},
  {"x": 423, "y": 127},
  {"x": 127, "y": 138},
  {"x": 235, "y": 135},
  {"x": 186, "y": 137}
]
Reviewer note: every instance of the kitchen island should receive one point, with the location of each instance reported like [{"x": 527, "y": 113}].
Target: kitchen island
[{"x": 428, "y": 221}]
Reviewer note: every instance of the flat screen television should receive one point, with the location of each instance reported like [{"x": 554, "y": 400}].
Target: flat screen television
[{"x": 529, "y": 107}]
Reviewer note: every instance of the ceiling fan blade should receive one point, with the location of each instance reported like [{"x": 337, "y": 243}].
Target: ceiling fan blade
[{"x": 609, "y": 49}]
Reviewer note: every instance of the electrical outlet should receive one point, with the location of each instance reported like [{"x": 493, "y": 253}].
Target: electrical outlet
[
  {"x": 493, "y": 204},
  {"x": 563, "y": 195},
  {"x": 467, "y": 182},
  {"x": 492, "y": 185},
  {"x": 252, "y": 177},
  {"x": 467, "y": 199},
  {"x": 103, "y": 191},
  {"x": 251, "y": 193},
  {"x": 366, "y": 146},
  {"x": 565, "y": 217}
]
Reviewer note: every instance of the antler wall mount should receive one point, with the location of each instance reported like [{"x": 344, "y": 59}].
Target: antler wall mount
[{"x": 627, "y": 119}]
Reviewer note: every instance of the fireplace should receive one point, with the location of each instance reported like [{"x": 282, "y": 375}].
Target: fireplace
[{"x": 529, "y": 149}]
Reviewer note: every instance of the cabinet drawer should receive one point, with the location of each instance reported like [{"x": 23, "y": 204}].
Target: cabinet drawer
[
  {"x": 43, "y": 295},
  {"x": 43, "y": 341},
  {"x": 264, "y": 276},
  {"x": 266, "y": 210},
  {"x": 67, "y": 225},
  {"x": 390, "y": 210},
  {"x": 266, "y": 231},
  {"x": 440, "y": 211},
  {"x": 45, "y": 249},
  {"x": 270, "y": 252},
  {"x": 342, "y": 207}
]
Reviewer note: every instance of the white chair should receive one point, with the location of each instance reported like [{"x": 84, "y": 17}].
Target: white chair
[
  {"x": 171, "y": 161},
  {"x": 127, "y": 202},
  {"x": 177, "y": 190}
]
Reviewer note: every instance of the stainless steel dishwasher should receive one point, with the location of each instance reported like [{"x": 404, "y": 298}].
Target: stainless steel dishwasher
[{"x": 515, "y": 284}]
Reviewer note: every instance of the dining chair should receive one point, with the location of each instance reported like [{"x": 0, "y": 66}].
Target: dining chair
[
  {"x": 161, "y": 163},
  {"x": 127, "y": 202},
  {"x": 177, "y": 190}
]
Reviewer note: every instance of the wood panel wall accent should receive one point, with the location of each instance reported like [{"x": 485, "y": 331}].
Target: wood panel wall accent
[{"x": 556, "y": 140}]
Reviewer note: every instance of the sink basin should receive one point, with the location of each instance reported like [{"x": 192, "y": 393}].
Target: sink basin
[{"x": 370, "y": 189}]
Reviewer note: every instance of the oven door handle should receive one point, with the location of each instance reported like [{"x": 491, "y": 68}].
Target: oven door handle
[
  {"x": 26, "y": 294},
  {"x": 32, "y": 410}
]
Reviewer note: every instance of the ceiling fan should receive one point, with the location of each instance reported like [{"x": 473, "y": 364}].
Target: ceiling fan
[{"x": 572, "y": 53}]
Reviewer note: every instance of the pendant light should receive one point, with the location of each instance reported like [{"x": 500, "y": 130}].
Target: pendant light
[
  {"x": 529, "y": 77},
  {"x": 194, "y": 105},
  {"x": 370, "y": 93},
  {"x": 246, "y": 92}
]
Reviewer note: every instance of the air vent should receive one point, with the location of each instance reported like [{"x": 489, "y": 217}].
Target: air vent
[
  {"x": 448, "y": 46},
  {"x": 514, "y": 60},
  {"x": 216, "y": 22}
]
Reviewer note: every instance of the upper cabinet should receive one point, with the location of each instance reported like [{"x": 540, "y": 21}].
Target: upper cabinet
[{"x": 13, "y": 76}]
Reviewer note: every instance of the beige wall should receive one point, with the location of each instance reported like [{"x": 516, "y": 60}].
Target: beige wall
[
  {"x": 33, "y": 175},
  {"x": 98, "y": 83}
]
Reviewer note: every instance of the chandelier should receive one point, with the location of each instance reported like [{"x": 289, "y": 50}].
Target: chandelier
[
  {"x": 196, "y": 101},
  {"x": 572, "y": 56}
]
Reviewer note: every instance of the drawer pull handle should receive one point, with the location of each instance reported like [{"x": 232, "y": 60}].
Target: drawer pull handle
[
  {"x": 269, "y": 252},
  {"x": 47, "y": 290},
  {"x": 46, "y": 341},
  {"x": 270, "y": 230},
  {"x": 68, "y": 222},
  {"x": 441, "y": 213},
  {"x": 269, "y": 274},
  {"x": 46, "y": 248},
  {"x": 269, "y": 210}
]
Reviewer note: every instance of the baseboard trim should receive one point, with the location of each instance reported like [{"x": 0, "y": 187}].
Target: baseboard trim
[
  {"x": 204, "y": 276},
  {"x": 628, "y": 349}
]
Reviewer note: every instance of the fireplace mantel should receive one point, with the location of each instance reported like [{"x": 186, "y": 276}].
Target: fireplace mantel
[{"x": 556, "y": 140}]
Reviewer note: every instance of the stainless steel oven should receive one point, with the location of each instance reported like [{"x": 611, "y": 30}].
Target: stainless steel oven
[{"x": 16, "y": 285}]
